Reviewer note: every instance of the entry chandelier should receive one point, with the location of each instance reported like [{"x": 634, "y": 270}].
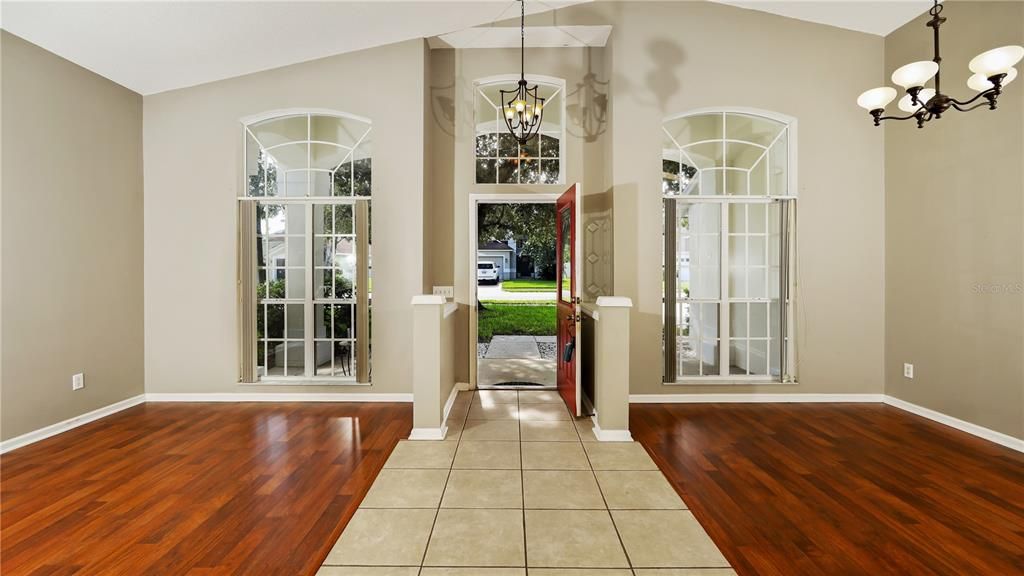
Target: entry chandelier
[
  {"x": 992, "y": 71},
  {"x": 523, "y": 109}
]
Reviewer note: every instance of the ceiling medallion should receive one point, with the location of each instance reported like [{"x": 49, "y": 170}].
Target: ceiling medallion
[
  {"x": 523, "y": 109},
  {"x": 993, "y": 70}
]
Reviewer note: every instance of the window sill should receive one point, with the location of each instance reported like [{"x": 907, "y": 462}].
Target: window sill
[
  {"x": 347, "y": 382},
  {"x": 729, "y": 381}
]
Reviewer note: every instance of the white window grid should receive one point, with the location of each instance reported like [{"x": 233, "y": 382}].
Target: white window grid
[
  {"x": 311, "y": 301},
  {"x": 308, "y": 273},
  {"x": 732, "y": 187}
]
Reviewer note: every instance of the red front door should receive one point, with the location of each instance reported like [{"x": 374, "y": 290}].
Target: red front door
[{"x": 567, "y": 309}]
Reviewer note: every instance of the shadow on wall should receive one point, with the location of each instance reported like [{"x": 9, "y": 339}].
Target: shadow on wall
[
  {"x": 667, "y": 56},
  {"x": 442, "y": 101},
  {"x": 662, "y": 81},
  {"x": 587, "y": 106},
  {"x": 442, "y": 107}
]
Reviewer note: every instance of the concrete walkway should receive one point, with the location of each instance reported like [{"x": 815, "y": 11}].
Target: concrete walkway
[
  {"x": 517, "y": 346},
  {"x": 517, "y": 359}
]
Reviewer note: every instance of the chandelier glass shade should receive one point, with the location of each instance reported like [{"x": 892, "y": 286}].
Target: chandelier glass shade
[
  {"x": 522, "y": 108},
  {"x": 993, "y": 70}
]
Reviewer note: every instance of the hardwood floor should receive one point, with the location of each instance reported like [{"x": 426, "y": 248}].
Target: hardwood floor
[
  {"x": 788, "y": 489},
  {"x": 193, "y": 488},
  {"x": 782, "y": 489}
]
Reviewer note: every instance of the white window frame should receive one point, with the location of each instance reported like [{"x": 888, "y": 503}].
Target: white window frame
[
  {"x": 507, "y": 81},
  {"x": 310, "y": 300},
  {"x": 787, "y": 231}
]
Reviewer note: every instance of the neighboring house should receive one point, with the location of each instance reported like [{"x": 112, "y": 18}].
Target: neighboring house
[
  {"x": 503, "y": 254},
  {"x": 343, "y": 258}
]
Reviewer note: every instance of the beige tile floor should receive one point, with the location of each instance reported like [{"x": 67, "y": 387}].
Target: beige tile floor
[{"x": 520, "y": 488}]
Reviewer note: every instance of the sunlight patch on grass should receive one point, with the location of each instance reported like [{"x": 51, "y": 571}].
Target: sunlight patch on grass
[{"x": 528, "y": 285}]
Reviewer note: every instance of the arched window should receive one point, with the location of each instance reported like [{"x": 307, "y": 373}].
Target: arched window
[
  {"x": 308, "y": 154},
  {"x": 305, "y": 247},
  {"x": 728, "y": 189},
  {"x": 500, "y": 159}
]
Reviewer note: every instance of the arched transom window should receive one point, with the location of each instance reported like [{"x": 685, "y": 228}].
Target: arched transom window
[
  {"x": 725, "y": 154},
  {"x": 308, "y": 155}
]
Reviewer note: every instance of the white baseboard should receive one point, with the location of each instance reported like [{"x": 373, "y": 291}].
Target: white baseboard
[
  {"x": 462, "y": 386},
  {"x": 449, "y": 403},
  {"x": 962, "y": 425},
  {"x": 428, "y": 433},
  {"x": 749, "y": 398},
  {"x": 277, "y": 397},
  {"x": 611, "y": 435},
  {"x": 70, "y": 423}
]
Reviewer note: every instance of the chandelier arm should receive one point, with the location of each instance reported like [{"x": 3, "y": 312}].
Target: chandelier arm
[
  {"x": 984, "y": 94},
  {"x": 962, "y": 108},
  {"x": 914, "y": 115}
]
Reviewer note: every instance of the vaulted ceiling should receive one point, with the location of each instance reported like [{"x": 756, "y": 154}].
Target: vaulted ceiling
[
  {"x": 152, "y": 47},
  {"x": 878, "y": 17}
]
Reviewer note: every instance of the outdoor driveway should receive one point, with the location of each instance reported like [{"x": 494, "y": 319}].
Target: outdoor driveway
[{"x": 496, "y": 293}]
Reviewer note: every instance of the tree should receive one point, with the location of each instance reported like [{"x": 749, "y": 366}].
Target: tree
[{"x": 532, "y": 226}]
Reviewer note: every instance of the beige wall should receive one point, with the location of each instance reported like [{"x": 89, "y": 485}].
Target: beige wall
[
  {"x": 954, "y": 241},
  {"x": 193, "y": 168},
  {"x": 440, "y": 117},
  {"x": 72, "y": 239}
]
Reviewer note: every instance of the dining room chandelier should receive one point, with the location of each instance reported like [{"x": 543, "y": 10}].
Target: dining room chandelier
[
  {"x": 992, "y": 71},
  {"x": 523, "y": 108}
]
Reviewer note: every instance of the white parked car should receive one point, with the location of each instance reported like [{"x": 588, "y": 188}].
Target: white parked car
[{"x": 487, "y": 273}]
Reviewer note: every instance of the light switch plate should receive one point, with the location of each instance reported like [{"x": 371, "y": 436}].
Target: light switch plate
[{"x": 446, "y": 291}]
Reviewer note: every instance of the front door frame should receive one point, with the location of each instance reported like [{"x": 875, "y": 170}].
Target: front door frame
[{"x": 474, "y": 201}]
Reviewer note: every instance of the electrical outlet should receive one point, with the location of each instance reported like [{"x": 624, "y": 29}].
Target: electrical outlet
[
  {"x": 78, "y": 381},
  {"x": 908, "y": 371},
  {"x": 446, "y": 291}
]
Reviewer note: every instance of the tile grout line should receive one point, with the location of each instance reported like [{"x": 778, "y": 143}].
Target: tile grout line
[
  {"x": 522, "y": 481},
  {"x": 437, "y": 512},
  {"x": 579, "y": 433},
  {"x": 625, "y": 552}
]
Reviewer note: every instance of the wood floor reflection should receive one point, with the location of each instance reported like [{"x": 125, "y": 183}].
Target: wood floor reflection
[{"x": 238, "y": 488}]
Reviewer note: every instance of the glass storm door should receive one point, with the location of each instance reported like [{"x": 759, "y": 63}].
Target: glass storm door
[{"x": 567, "y": 308}]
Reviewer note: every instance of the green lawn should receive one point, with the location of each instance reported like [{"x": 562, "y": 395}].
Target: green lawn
[
  {"x": 528, "y": 285},
  {"x": 515, "y": 320}
]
